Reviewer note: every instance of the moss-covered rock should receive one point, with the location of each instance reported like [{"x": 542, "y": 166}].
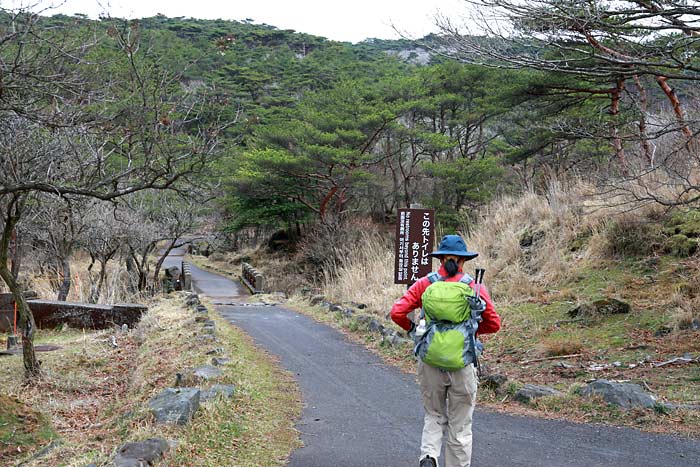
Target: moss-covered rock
[
  {"x": 607, "y": 306},
  {"x": 528, "y": 238},
  {"x": 580, "y": 242}
]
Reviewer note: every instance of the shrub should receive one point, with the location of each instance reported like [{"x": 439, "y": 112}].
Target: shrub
[
  {"x": 628, "y": 235},
  {"x": 681, "y": 246},
  {"x": 683, "y": 230},
  {"x": 554, "y": 348},
  {"x": 685, "y": 223},
  {"x": 353, "y": 262},
  {"x": 328, "y": 245}
]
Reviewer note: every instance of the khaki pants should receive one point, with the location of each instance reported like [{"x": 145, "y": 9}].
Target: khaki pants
[{"x": 449, "y": 398}]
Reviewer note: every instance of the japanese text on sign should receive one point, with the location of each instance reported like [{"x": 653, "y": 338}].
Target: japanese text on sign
[{"x": 414, "y": 243}]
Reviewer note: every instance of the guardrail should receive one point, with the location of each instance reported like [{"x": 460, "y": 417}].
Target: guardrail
[
  {"x": 252, "y": 278},
  {"x": 186, "y": 277}
]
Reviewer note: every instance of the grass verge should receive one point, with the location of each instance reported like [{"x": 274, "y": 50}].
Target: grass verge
[{"x": 95, "y": 390}]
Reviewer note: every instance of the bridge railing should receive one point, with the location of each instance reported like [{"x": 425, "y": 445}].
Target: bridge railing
[
  {"x": 186, "y": 277},
  {"x": 252, "y": 278}
]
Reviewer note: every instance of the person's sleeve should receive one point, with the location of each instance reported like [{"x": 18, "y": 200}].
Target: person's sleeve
[
  {"x": 491, "y": 321},
  {"x": 406, "y": 304}
]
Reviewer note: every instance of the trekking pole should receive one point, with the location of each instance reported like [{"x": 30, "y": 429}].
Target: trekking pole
[{"x": 478, "y": 280}]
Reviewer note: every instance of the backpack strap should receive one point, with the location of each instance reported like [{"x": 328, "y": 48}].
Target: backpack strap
[
  {"x": 433, "y": 277},
  {"x": 466, "y": 278}
]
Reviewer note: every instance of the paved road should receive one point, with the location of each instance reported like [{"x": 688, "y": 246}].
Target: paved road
[{"x": 360, "y": 412}]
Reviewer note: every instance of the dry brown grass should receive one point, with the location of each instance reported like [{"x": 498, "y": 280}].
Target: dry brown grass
[
  {"x": 684, "y": 319},
  {"x": 551, "y": 222},
  {"x": 79, "y": 385},
  {"x": 21, "y": 429},
  {"x": 528, "y": 243},
  {"x": 365, "y": 275},
  {"x": 96, "y": 394},
  {"x": 534, "y": 241},
  {"x": 115, "y": 288},
  {"x": 557, "y": 347}
]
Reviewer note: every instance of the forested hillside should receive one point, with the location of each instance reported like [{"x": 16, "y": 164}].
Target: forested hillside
[
  {"x": 313, "y": 129},
  {"x": 563, "y": 141}
]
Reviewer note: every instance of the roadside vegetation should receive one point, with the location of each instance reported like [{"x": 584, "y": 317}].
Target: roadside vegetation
[
  {"x": 544, "y": 256},
  {"x": 94, "y": 396}
]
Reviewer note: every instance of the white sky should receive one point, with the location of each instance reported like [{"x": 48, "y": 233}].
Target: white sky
[{"x": 341, "y": 20}]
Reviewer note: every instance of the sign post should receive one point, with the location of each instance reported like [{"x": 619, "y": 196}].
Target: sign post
[{"x": 414, "y": 242}]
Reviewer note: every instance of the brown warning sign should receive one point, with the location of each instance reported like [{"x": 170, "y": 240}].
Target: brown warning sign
[{"x": 414, "y": 242}]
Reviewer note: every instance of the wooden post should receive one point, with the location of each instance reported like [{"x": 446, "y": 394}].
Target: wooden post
[{"x": 11, "y": 341}]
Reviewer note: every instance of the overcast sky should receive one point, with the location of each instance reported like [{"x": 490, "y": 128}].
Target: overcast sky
[{"x": 342, "y": 20}]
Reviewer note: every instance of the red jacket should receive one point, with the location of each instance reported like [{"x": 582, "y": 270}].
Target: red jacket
[{"x": 412, "y": 300}]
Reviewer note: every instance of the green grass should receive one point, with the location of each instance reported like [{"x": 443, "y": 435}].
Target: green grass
[
  {"x": 534, "y": 321},
  {"x": 22, "y": 430}
]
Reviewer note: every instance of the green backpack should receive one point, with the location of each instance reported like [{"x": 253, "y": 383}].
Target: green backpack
[{"x": 449, "y": 341}]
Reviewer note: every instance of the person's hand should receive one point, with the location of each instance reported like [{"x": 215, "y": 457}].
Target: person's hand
[
  {"x": 411, "y": 331},
  {"x": 477, "y": 307}
]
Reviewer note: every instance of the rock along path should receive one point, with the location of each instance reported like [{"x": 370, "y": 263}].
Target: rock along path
[{"x": 359, "y": 412}]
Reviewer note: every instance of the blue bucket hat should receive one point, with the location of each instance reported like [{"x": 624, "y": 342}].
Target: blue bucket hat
[{"x": 454, "y": 245}]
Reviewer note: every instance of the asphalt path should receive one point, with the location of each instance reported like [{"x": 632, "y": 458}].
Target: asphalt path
[{"x": 360, "y": 412}]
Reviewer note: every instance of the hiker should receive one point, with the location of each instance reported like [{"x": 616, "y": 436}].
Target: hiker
[{"x": 448, "y": 383}]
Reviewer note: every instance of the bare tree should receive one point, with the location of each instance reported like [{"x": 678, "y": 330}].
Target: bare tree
[
  {"x": 177, "y": 216},
  {"x": 105, "y": 236},
  {"x": 142, "y": 236},
  {"x": 158, "y": 219},
  {"x": 57, "y": 227},
  {"x": 68, "y": 132}
]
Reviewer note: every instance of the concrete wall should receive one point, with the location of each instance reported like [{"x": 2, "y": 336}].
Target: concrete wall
[{"x": 51, "y": 314}]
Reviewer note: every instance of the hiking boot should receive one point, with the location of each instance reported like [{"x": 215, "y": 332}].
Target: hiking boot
[{"x": 428, "y": 462}]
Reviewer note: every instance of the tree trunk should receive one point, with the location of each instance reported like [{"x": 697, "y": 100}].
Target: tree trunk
[
  {"x": 64, "y": 288},
  {"x": 16, "y": 256},
  {"x": 160, "y": 262},
  {"x": 97, "y": 288},
  {"x": 26, "y": 322},
  {"x": 141, "y": 262},
  {"x": 676, "y": 104},
  {"x": 13, "y": 212},
  {"x": 132, "y": 274}
]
